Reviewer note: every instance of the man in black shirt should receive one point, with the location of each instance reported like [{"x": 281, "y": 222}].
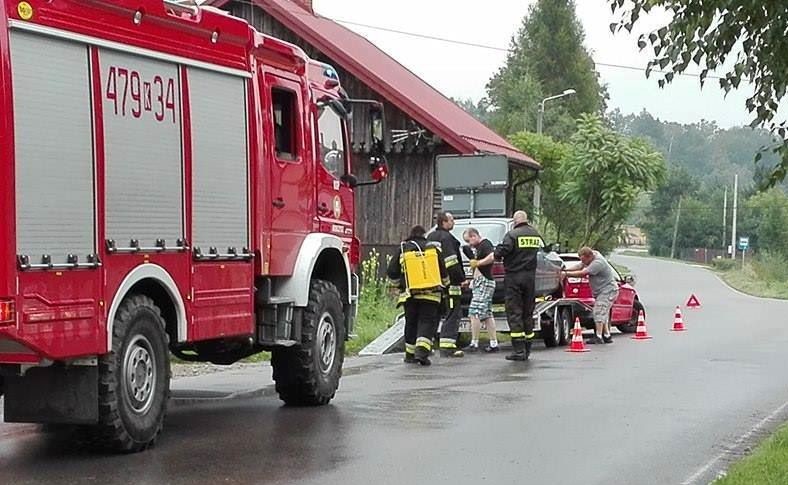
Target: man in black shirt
[
  {"x": 450, "y": 252},
  {"x": 519, "y": 251},
  {"x": 481, "y": 258}
]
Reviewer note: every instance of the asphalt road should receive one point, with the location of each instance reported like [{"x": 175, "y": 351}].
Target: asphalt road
[{"x": 675, "y": 409}]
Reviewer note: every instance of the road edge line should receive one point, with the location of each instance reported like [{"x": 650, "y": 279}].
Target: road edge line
[{"x": 735, "y": 450}]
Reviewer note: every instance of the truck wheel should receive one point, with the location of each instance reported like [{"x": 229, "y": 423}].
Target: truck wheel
[
  {"x": 134, "y": 378},
  {"x": 632, "y": 325},
  {"x": 308, "y": 375},
  {"x": 551, "y": 333},
  {"x": 565, "y": 320}
]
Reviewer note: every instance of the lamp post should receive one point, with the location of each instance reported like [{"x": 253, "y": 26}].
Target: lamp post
[{"x": 539, "y": 127}]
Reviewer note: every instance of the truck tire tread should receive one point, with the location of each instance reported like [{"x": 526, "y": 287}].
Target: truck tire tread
[
  {"x": 112, "y": 432},
  {"x": 298, "y": 380}
]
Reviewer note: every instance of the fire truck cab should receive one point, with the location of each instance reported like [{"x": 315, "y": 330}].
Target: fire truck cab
[{"x": 170, "y": 181}]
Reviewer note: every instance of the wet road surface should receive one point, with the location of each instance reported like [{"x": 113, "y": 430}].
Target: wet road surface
[{"x": 669, "y": 410}]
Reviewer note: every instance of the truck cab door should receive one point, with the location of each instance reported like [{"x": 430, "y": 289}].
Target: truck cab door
[
  {"x": 334, "y": 198},
  {"x": 289, "y": 175}
]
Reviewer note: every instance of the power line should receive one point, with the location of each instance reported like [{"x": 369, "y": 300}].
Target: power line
[
  {"x": 477, "y": 45},
  {"x": 497, "y": 48}
]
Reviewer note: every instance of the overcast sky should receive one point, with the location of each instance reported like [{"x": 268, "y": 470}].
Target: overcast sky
[{"x": 462, "y": 71}]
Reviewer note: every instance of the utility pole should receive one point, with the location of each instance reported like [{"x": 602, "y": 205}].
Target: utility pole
[
  {"x": 735, "y": 211},
  {"x": 675, "y": 231},
  {"x": 725, "y": 217}
]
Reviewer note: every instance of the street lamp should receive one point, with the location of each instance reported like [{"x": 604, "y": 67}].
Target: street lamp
[
  {"x": 539, "y": 125},
  {"x": 540, "y": 116}
]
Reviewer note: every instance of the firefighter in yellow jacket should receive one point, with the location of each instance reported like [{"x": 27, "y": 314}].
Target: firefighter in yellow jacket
[{"x": 422, "y": 305}]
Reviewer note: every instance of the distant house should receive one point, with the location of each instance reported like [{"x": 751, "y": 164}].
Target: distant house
[
  {"x": 421, "y": 122},
  {"x": 634, "y": 236}
]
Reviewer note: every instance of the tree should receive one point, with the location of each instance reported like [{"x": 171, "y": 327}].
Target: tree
[
  {"x": 678, "y": 184},
  {"x": 558, "y": 218},
  {"x": 479, "y": 110},
  {"x": 604, "y": 174},
  {"x": 769, "y": 210},
  {"x": 547, "y": 56},
  {"x": 709, "y": 33}
]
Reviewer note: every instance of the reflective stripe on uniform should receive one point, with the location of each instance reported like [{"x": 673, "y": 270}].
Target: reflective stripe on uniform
[
  {"x": 445, "y": 281},
  {"x": 530, "y": 335},
  {"x": 451, "y": 261},
  {"x": 529, "y": 242},
  {"x": 455, "y": 291},
  {"x": 517, "y": 335},
  {"x": 394, "y": 283},
  {"x": 448, "y": 343},
  {"x": 410, "y": 348},
  {"x": 424, "y": 343}
]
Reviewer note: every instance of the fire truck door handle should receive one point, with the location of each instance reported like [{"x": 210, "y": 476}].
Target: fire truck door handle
[{"x": 279, "y": 203}]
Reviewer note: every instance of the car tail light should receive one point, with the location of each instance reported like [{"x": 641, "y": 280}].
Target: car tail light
[
  {"x": 7, "y": 312},
  {"x": 574, "y": 280},
  {"x": 498, "y": 269}
]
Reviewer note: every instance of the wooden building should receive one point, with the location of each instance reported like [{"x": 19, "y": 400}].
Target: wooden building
[{"x": 421, "y": 122}]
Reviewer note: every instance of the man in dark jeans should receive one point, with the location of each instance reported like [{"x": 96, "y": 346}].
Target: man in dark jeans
[
  {"x": 518, "y": 251},
  {"x": 422, "y": 307},
  {"x": 450, "y": 252}
]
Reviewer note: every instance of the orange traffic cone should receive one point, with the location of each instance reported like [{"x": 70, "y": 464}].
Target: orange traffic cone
[
  {"x": 642, "y": 333},
  {"x": 577, "y": 344},
  {"x": 678, "y": 322}
]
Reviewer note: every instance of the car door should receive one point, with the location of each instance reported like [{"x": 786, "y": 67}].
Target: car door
[{"x": 622, "y": 307}]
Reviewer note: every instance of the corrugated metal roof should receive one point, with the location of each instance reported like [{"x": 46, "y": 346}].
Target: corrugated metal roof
[{"x": 392, "y": 80}]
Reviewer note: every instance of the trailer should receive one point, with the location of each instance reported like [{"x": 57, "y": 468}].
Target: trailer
[{"x": 171, "y": 181}]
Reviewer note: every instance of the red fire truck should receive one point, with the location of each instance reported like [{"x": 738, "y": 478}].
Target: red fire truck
[{"x": 170, "y": 181}]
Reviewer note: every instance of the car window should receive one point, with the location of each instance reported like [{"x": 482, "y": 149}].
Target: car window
[{"x": 494, "y": 231}]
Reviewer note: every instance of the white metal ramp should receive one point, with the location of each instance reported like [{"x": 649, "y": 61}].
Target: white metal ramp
[{"x": 389, "y": 340}]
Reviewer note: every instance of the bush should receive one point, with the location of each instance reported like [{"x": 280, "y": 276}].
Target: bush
[
  {"x": 771, "y": 267},
  {"x": 376, "y": 309},
  {"x": 723, "y": 264}
]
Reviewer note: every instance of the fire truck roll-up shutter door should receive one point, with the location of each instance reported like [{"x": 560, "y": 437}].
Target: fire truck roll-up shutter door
[
  {"x": 54, "y": 150},
  {"x": 144, "y": 162},
  {"x": 219, "y": 164}
]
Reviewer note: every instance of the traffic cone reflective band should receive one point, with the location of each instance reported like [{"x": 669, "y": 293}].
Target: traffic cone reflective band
[
  {"x": 693, "y": 302},
  {"x": 642, "y": 333},
  {"x": 577, "y": 344},
  {"x": 678, "y": 322}
]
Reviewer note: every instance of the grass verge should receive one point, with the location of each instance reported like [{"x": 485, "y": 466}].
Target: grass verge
[
  {"x": 765, "y": 276},
  {"x": 767, "y": 465}
]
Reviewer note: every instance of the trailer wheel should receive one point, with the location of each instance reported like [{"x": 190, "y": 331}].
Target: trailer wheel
[
  {"x": 134, "y": 378},
  {"x": 565, "y": 320},
  {"x": 308, "y": 375},
  {"x": 551, "y": 333},
  {"x": 632, "y": 325}
]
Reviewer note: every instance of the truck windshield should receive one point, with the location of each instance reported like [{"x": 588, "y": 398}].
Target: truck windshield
[{"x": 494, "y": 231}]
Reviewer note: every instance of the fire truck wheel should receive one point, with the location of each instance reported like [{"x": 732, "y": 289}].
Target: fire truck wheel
[
  {"x": 134, "y": 382},
  {"x": 308, "y": 375},
  {"x": 632, "y": 325}
]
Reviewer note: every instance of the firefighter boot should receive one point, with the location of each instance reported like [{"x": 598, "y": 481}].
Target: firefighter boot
[
  {"x": 410, "y": 358},
  {"x": 519, "y": 352},
  {"x": 422, "y": 356},
  {"x": 528, "y": 343}
]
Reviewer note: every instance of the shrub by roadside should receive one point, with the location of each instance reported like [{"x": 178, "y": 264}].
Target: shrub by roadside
[{"x": 376, "y": 309}]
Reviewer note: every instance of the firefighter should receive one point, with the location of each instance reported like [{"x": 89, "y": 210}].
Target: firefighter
[
  {"x": 518, "y": 251},
  {"x": 450, "y": 251},
  {"x": 422, "y": 307}
]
